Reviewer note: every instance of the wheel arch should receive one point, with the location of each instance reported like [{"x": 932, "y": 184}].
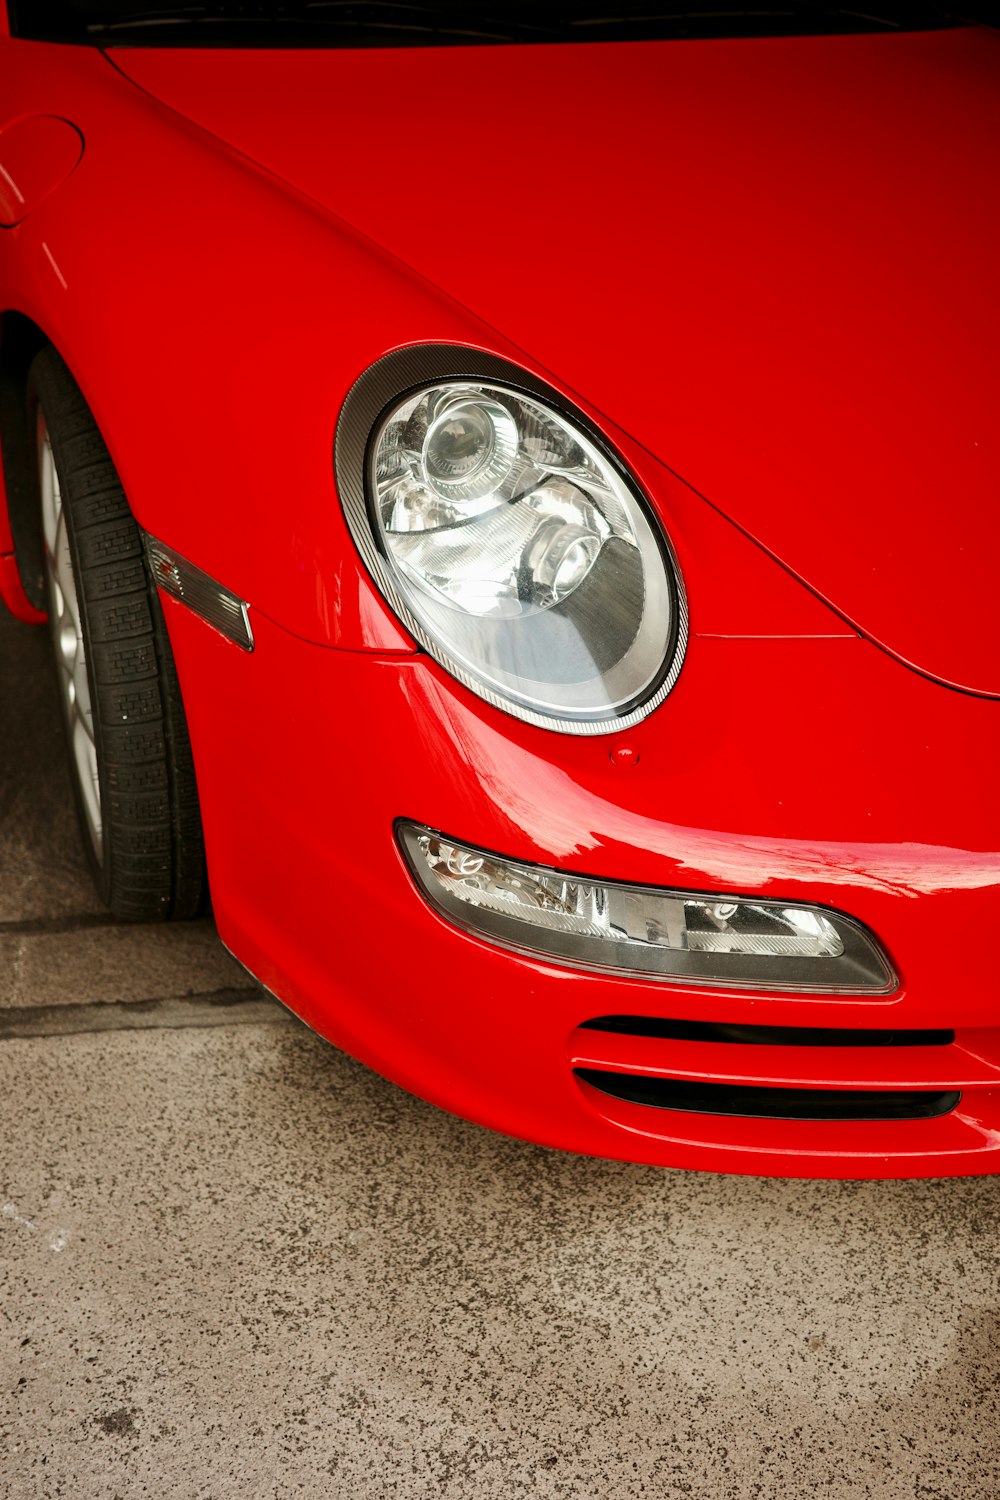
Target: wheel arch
[{"x": 21, "y": 339}]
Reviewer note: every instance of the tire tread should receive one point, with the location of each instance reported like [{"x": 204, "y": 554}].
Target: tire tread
[{"x": 153, "y": 866}]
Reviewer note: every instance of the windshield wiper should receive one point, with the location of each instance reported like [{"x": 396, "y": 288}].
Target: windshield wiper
[
  {"x": 382, "y": 23},
  {"x": 802, "y": 17},
  {"x": 317, "y": 16}
]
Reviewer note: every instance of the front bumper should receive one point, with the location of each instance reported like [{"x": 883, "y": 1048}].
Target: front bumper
[{"x": 767, "y": 772}]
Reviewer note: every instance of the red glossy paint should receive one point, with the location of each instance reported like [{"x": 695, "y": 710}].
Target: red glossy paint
[
  {"x": 11, "y": 590},
  {"x": 741, "y": 260},
  {"x": 37, "y": 154},
  {"x": 13, "y": 593},
  {"x": 849, "y": 813},
  {"x": 772, "y": 262}
]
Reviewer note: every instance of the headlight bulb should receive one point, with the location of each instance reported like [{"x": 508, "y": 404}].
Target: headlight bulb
[{"x": 469, "y": 450}]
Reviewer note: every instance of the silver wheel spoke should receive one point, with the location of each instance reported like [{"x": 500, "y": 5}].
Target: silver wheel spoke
[
  {"x": 49, "y": 481},
  {"x": 63, "y": 566},
  {"x": 85, "y": 761},
  {"x": 67, "y": 635}
]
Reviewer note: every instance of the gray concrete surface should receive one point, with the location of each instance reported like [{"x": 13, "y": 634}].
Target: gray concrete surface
[{"x": 235, "y": 1263}]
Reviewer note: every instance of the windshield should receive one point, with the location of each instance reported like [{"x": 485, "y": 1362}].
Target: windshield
[{"x": 395, "y": 23}]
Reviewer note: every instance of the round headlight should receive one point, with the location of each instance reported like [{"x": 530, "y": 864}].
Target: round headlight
[{"x": 510, "y": 540}]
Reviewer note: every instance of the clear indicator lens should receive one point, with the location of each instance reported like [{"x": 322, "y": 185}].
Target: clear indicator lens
[
  {"x": 641, "y": 929},
  {"x": 528, "y": 561}
]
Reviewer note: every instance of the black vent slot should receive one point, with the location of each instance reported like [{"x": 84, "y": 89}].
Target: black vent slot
[
  {"x": 754, "y": 1101},
  {"x": 765, "y": 1036}
]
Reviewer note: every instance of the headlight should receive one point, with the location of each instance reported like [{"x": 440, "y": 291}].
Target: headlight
[{"x": 510, "y": 540}]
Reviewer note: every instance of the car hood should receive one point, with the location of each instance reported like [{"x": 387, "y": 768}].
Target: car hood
[{"x": 771, "y": 261}]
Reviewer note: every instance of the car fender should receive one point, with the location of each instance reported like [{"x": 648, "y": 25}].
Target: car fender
[{"x": 216, "y": 317}]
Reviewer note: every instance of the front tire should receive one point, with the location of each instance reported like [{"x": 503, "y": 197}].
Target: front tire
[{"x": 130, "y": 756}]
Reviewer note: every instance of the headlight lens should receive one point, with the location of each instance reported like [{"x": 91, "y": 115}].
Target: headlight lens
[{"x": 518, "y": 551}]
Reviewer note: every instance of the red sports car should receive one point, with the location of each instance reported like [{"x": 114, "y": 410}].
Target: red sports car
[{"x": 516, "y": 497}]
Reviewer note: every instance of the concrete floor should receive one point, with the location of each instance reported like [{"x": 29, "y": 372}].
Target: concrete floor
[{"x": 235, "y": 1263}]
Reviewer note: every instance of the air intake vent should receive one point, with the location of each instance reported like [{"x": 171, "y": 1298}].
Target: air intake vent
[
  {"x": 765, "y": 1036},
  {"x": 770, "y": 1103}
]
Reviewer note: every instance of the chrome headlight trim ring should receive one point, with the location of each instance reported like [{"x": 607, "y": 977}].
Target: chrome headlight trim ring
[{"x": 385, "y": 384}]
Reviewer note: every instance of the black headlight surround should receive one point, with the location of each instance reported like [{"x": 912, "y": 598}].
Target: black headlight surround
[{"x": 393, "y": 379}]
